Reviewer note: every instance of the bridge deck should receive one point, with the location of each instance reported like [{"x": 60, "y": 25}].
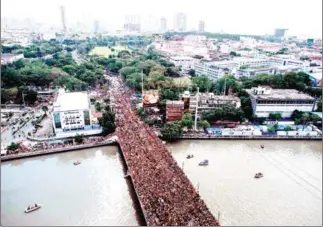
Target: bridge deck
[{"x": 166, "y": 195}]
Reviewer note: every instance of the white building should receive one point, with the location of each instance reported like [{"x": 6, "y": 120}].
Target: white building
[
  {"x": 10, "y": 58},
  {"x": 266, "y": 100},
  {"x": 201, "y": 26},
  {"x": 185, "y": 62},
  {"x": 180, "y": 22},
  {"x": 209, "y": 101},
  {"x": 163, "y": 25},
  {"x": 71, "y": 111}
]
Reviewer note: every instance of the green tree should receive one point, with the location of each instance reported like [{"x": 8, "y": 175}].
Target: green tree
[
  {"x": 98, "y": 106},
  {"x": 204, "y": 124},
  {"x": 107, "y": 122},
  {"x": 202, "y": 82},
  {"x": 13, "y": 146},
  {"x": 275, "y": 116},
  {"x": 171, "y": 131},
  {"x": 45, "y": 109},
  {"x": 271, "y": 129},
  {"x": 191, "y": 72},
  {"x": 187, "y": 121},
  {"x": 78, "y": 138},
  {"x": 288, "y": 128},
  {"x": 70, "y": 69}
]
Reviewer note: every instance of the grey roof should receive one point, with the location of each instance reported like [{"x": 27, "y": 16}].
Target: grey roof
[{"x": 281, "y": 94}]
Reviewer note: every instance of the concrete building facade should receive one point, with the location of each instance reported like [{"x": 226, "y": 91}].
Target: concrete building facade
[{"x": 266, "y": 100}]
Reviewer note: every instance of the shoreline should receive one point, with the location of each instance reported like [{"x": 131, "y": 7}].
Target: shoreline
[
  {"x": 54, "y": 151},
  {"x": 215, "y": 137}
]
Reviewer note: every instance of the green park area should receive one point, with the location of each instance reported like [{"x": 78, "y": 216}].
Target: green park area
[{"x": 106, "y": 51}]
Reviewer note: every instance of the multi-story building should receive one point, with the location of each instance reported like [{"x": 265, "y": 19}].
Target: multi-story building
[
  {"x": 280, "y": 32},
  {"x": 132, "y": 23},
  {"x": 266, "y": 100},
  {"x": 201, "y": 26},
  {"x": 174, "y": 110},
  {"x": 209, "y": 101},
  {"x": 247, "y": 67},
  {"x": 180, "y": 22},
  {"x": 163, "y": 25},
  {"x": 71, "y": 111},
  {"x": 185, "y": 62},
  {"x": 10, "y": 58}
]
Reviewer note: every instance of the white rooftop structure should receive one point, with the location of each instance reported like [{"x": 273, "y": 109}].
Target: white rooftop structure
[{"x": 71, "y": 101}]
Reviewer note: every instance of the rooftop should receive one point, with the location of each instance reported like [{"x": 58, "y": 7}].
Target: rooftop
[
  {"x": 5, "y": 55},
  {"x": 170, "y": 102},
  {"x": 281, "y": 94},
  {"x": 71, "y": 101}
]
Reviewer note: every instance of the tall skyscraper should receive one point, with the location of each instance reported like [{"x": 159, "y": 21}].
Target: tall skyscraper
[
  {"x": 201, "y": 26},
  {"x": 96, "y": 26},
  {"x": 280, "y": 32},
  {"x": 163, "y": 25},
  {"x": 180, "y": 22},
  {"x": 63, "y": 19},
  {"x": 132, "y": 23}
]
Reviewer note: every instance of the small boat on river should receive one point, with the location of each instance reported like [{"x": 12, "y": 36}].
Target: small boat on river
[
  {"x": 259, "y": 175},
  {"x": 190, "y": 156},
  {"x": 77, "y": 163},
  {"x": 204, "y": 163},
  {"x": 262, "y": 146},
  {"x": 32, "y": 208}
]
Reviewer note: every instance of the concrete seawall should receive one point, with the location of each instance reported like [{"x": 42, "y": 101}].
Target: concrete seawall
[
  {"x": 215, "y": 137},
  {"x": 53, "y": 151}
]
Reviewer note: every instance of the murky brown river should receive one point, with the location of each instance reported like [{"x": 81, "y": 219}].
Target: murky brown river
[
  {"x": 290, "y": 193},
  {"x": 92, "y": 193},
  {"x": 96, "y": 193}
]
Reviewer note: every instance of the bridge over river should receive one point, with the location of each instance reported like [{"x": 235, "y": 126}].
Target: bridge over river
[{"x": 165, "y": 194}]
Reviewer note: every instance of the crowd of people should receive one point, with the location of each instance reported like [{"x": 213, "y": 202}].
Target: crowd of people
[{"x": 166, "y": 195}]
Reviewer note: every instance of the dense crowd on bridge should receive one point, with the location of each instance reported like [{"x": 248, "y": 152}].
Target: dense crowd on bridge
[{"x": 166, "y": 195}]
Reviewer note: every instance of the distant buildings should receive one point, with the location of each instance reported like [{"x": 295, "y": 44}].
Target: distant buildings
[
  {"x": 180, "y": 22},
  {"x": 280, "y": 33},
  {"x": 247, "y": 67},
  {"x": 96, "y": 26},
  {"x": 10, "y": 58},
  {"x": 132, "y": 23},
  {"x": 63, "y": 18},
  {"x": 266, "y": 100},
  {"x": 163, "y": 25},
  {"x": 71, "y": 111},
  {"x": 201, "y": 28},
  {"x": 185, "y": 62},
  {"x": 174, "y": 110}
]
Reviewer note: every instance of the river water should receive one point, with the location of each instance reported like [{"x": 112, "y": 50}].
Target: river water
[
  {"x": 92, "y": 193},
  {"x": 95, "y": 192},
  {"x": 290, "y": 193}
]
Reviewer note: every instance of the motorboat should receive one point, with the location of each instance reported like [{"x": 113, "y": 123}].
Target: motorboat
[
  {"x": 190, "y": 156},
  {"x": 259, "y": 175},
  {"x": 262, "y": 146},
  {"x": 77, "y": 163},
  {"x": 32, "y": 208},
  {"x": 204, "y": 163}
]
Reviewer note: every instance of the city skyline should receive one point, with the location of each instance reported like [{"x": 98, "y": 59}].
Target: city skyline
[{"x": 244, "y": 17}]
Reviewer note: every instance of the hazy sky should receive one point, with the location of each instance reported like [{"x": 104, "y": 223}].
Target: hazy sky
[{"x": 301, "y": 17}]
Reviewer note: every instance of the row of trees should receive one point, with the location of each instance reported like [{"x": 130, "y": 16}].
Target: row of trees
[{"x": 172, "y": 130}]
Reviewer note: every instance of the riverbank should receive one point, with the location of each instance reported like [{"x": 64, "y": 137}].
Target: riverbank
[
  {"x": 54, "y": 151},
  {"x": 237, "y": 137}
]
